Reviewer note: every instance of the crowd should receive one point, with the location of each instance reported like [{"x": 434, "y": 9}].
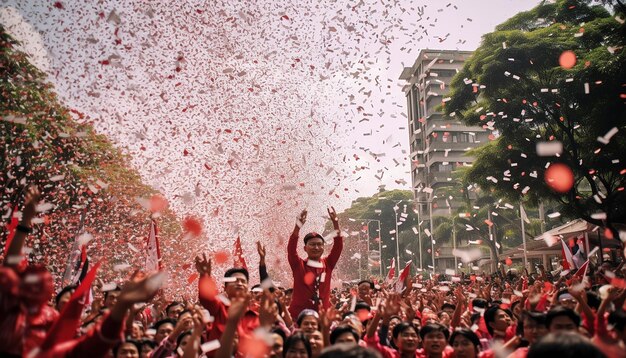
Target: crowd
[{"x": 514, "y": 314}]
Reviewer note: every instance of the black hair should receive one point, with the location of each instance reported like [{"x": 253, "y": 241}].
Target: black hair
[
  {"x": 467, "y": 333},
  {"x": 345, "y": 350},
  {"x": 183, "y": 312},
  {"x": 164, "y": 321},
  {"x": 279, "y": 332},
  {"x": 339, "y": 330},
  {"x": 559, "y": 311},
  {"x": 564, "y": 345},
  {"x": 293, "y": 339},
  {"x": 479, "y": 302},
  {"x": 231, "y": 271},
  {"x": 593, "y": 300},
  {"x": 173, "y": 304},
  {"x": 362, "y": 305},
  {"x": 181, "y": 336},
  {"x": 137, "y": 345},
  {"x": 65, "y": 289},
  {"x": 371, "y": 284},
  {"x": 106, "y": 293},
  {"x": 448, "y": 305},
  {"x": 537, "y": 317},
  {"x": 348, "y": 313},
  {"x": 401, "y": 327},
  {"x": 490, "y": 316},
  {"x": 433, "y": 327},
  {"x": 312, "y": 235},
  {"x": 148, "y": 342},
  {"x": 617, "y": 319}
]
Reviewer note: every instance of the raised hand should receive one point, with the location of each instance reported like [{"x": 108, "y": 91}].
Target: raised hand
[
  {"x": 333, "y": 217},
  {"x": 30, "y": 205},
  {"x": 238, "y": 306},
  {"x": 203, "y": 266},
  {"x": 392, "y": 305},
  {"x": 301, "y": 219},
  {"x": 141, "y": 288},
  {"x": 261, "y": 250},
  {"x": 268, "y": 310}
]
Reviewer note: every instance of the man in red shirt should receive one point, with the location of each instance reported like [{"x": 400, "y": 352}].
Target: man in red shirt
[
  {"x": 235, "y": 287},
  {"x": 311, "y": 276}
]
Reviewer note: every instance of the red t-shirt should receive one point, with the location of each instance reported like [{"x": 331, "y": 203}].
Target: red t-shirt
[{"x": 303, "y": 292}]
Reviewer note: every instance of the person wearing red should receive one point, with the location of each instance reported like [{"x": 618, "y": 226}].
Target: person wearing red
[
  {"x": 312, "y": 276},
  {"x": 25, "y": 316},
  {"x": 235, "y": 287}
]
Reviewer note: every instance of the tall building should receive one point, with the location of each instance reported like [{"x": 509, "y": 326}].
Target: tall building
[{"x": 438, "y": 142}]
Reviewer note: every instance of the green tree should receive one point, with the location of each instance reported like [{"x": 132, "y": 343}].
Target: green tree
[
  {"x": 513, "y": 84},
  {"x": 380, "y": 207},
  {"x": 78, "y": 171}
]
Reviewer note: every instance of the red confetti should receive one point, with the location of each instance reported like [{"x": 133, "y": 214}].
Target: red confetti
[
  {"x": 221, "y": 257},
  {"x": 192, "y": 226},
  {"x": 567, "y": 59},
  {"x": 157, "y": 203},
  {"x": 58, "y": 5},
  {"x": 192, "y": 277},
  {"x": 618, "y": 282},
  {"x": 309, "y": 277},
  {"x": 559, "y": 178}
]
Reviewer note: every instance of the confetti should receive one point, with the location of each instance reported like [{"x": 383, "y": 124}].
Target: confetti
[{"x": 559, "y": 177}]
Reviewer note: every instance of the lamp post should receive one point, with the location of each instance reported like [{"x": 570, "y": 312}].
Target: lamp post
[{"x": 380, "y": 250}]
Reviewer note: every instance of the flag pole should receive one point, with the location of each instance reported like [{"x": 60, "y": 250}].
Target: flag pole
[{"x": 521, "y": 218}]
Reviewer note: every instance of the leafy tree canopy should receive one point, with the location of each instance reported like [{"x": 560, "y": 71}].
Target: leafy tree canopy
[{"x": 515, "y": 86}]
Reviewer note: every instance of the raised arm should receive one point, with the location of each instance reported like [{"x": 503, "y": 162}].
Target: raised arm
[
  {"x": 23, "y": 228},
  {"x": 203, "y": 266},
  {"x": 292, "y": 245},
  {"x": 335, "y": 252},
  {"x": 263, "y": 275}
]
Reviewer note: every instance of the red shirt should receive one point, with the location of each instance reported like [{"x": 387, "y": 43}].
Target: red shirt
[
  {"x": 247, "y": 324},
  {"x": 303, "y": 292},
  {"x": 21, "y": 328}
]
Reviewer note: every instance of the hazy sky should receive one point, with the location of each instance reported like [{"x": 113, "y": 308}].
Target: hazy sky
[{"x": 246, "y": 112}]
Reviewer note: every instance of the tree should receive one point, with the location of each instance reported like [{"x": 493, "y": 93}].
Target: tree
[
  {"x": 513, "y": 85},
  {"x": 380, "y": 207},
  {"x": 78, "y": 171}
]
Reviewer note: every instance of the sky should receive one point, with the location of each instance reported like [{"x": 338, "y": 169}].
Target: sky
[{"x": 244, "y": 113}]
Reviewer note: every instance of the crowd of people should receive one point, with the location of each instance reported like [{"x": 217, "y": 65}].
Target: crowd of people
[{"x": 514, "y": 314}]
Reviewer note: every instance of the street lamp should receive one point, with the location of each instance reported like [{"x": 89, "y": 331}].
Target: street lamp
[{"x": 380, "y": 251}]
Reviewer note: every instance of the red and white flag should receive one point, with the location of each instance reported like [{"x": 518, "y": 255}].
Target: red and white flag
[
  {"x": 582, "y": 271},
  {"x": 392, "y": 271},
  {"x": 238, "y": 260},
  {"x": 568, "y": 261},
  {"x": 153, "y": 252},
  {"x": 404, "y": 275}
]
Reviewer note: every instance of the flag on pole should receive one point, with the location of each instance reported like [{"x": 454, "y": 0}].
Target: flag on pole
[
  {"x": 75, "y": 261},
  {"x": 392, "y": 271},
  {"x": 523, "y": 214},
  {"x": 238, "y": 260},
  {"x": 153, "y": 253},
  {"x": 404, "y": 275},
  {"x": 568, "y": 261},
  {"x": 582, "y": 271}
]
